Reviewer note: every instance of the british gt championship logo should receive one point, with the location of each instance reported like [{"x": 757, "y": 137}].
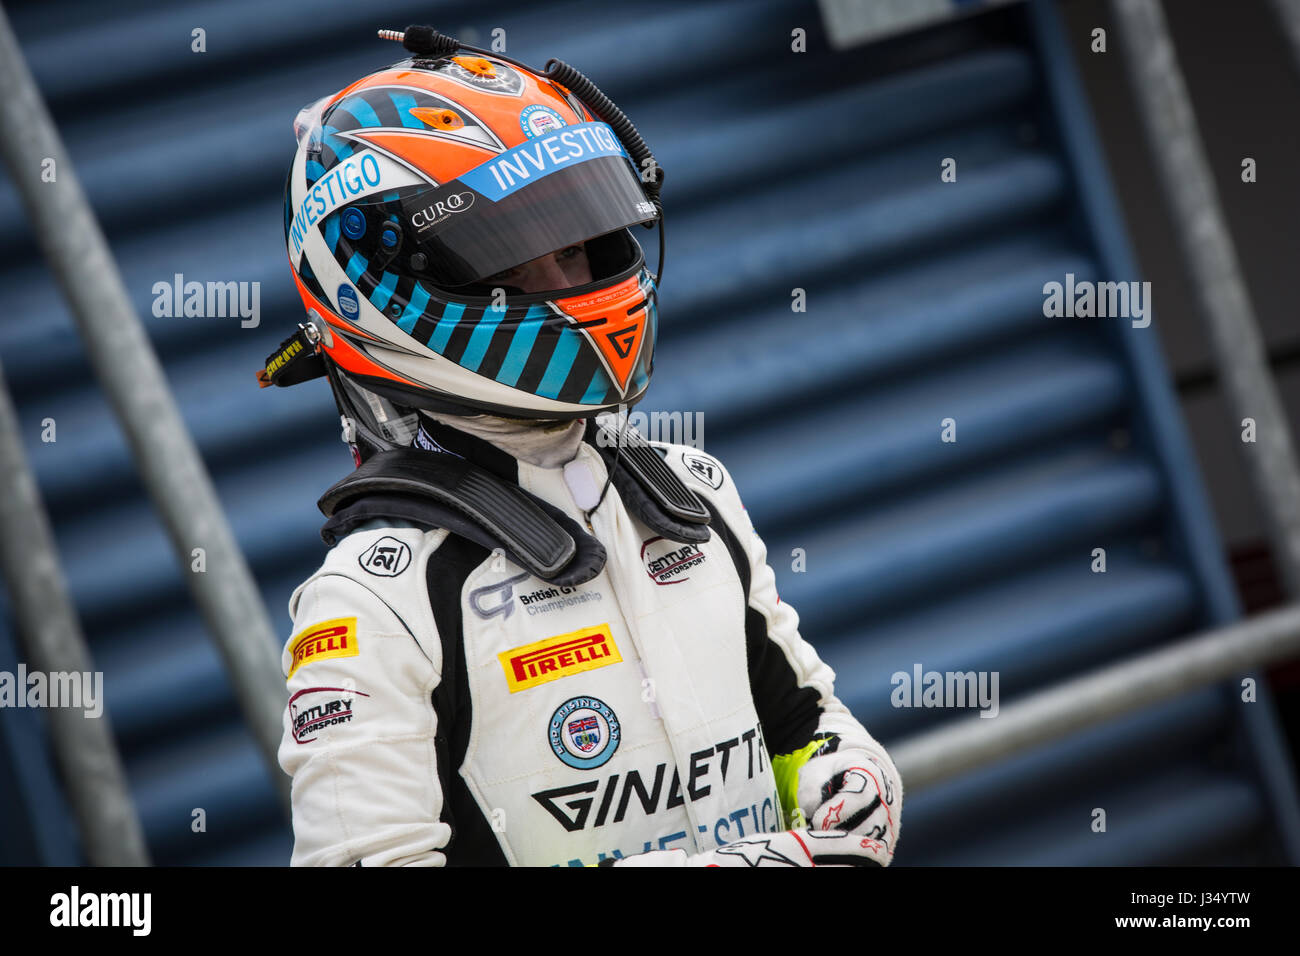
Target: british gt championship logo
[{"x": 584, "y": 732}]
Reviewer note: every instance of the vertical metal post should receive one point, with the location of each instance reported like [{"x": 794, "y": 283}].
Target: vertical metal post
[
  {"x": 1288, "y": 14},
  {"x": 1166, "y": 112},
  {"x": 124, "y": 361},
  {"x": 51, "y": 639}
]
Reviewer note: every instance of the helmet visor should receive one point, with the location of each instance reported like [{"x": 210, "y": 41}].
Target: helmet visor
[{"x": 547, "y": 193}]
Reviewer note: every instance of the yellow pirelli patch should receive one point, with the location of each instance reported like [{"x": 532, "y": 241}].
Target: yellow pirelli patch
[
  {"x": 559, "y": 656},
  {"x": 336, "y": 638}
]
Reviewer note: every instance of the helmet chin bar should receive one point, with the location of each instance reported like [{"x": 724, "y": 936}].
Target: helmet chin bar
[
  {"x": 371, "y": 423},
  {"x": 379, "y": 416},
  {"x": 411, "y": 400}
]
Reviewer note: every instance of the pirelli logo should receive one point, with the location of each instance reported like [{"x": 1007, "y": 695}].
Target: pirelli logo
[
  {"x": 336, "y": 638},
  {"x": 559, "y": 656}
]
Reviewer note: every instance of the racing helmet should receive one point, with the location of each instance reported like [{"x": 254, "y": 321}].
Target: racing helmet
[{"x": 415, "y": 186}]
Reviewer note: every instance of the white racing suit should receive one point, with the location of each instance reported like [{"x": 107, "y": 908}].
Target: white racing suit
[{"x": 445, "y": 707}]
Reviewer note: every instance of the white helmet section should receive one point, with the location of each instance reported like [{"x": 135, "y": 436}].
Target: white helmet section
[{"x": 364, "y": 173}]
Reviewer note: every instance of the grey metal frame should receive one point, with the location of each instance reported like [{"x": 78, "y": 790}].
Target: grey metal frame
[
  {"x": 1165, "y": 109},
  {"x": 124, "y": 361},
  {"x": 51, "y": 639}
]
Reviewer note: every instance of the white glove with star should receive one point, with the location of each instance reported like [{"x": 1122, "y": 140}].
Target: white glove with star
[
  {"x": 802, "y": 847},
  {"x": 855, "y": 792}
]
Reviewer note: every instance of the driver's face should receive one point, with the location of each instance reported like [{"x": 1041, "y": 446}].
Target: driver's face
[{"x": 563, "y": 269}]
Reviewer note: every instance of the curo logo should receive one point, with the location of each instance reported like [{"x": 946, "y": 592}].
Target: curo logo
[{"x": 440, "y": 210}]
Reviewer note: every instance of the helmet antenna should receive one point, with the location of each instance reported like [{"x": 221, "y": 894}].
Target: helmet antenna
[{"x": 422, "y": 41}]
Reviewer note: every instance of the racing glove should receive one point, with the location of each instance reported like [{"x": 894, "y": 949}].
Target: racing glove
[
  {"x": 802, "y": 847},
  {"x": 854, "y": 790}
]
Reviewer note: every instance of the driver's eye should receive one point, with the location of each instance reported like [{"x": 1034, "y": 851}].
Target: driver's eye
[{"x": 568, "y": 252}]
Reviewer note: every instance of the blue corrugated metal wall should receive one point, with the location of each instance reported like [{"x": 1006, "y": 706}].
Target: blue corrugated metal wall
[{"x": 814, "y": 170}]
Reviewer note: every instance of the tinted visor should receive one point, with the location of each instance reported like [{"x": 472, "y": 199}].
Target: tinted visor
[{"x": 548, "y": 193}]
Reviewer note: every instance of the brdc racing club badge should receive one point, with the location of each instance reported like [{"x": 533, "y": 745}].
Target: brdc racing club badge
[
  {"x": 538, "y": 120},
  {"x": 584, "y": 732}
]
